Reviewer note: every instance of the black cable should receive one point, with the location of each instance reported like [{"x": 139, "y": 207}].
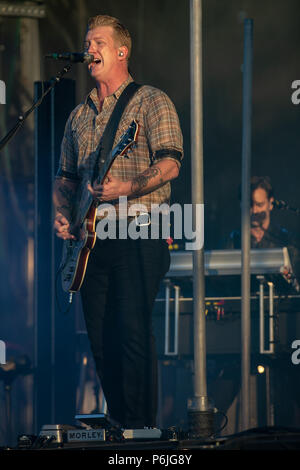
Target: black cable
[
  {"x": 39, "y": 442},
  {"x": 225, "y": 423}
]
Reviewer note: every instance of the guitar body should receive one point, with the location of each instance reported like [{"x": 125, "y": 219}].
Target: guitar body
[{"x": 76, "y": 252}]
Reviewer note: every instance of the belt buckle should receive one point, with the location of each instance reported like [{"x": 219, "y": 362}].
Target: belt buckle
[{"x": 147, "y": 219}]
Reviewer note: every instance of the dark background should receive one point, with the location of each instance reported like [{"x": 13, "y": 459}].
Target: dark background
[{"x": 160, "y": 57}]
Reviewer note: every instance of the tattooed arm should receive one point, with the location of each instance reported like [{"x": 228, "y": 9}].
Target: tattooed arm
[
  {"x": 63, "y": 200},
  {"x": 154, "y": 177},
  {"x": 151, "y": 179}
]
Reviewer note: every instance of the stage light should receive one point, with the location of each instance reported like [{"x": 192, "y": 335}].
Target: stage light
[{"x": 260, "y": 369}]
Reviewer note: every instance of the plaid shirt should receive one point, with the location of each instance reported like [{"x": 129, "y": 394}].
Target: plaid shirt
[{"x": 159, "y": 137}]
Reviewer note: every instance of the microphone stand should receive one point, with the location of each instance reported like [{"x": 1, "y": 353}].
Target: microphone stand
[{"x": 23, "y": 117}]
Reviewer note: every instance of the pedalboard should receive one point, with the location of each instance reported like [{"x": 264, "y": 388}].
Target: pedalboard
[{"x": 93, "y": 430}]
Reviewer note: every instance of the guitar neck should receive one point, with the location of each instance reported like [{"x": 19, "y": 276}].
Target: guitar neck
[
  {"x": 105, "y": 167},
  {"x": 86, "y": 198}
]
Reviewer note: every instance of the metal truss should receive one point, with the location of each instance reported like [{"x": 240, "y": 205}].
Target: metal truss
[{"x": 21, "y": 10}]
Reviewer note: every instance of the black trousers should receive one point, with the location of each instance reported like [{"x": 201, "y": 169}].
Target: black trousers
[{"x": 118, "y": 294}]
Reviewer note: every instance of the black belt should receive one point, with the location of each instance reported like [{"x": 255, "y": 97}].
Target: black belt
[{"x": 140, "y": 219}]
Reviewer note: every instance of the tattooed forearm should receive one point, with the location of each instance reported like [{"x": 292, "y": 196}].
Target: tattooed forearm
[
  {"x": 64, "y": 197},
  {"x": 64, "y": 208},
  {"x": 140, "y": 182},
  {"x": 68, "y": 194}
]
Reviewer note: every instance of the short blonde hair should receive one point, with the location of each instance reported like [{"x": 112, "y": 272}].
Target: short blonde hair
[{"x": 121, "y": 33}]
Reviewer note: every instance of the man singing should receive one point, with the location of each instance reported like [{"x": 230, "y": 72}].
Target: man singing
[{"x": 123, "y": 275}]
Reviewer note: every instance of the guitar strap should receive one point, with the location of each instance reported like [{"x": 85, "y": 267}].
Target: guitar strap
[{"x": 111, "y": 127}]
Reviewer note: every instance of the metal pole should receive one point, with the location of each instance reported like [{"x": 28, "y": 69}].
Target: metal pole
[
  {"x": 245, "y": 222},
  {"x": 81, "y": 75},
  {"x": 200, "y": 416}
]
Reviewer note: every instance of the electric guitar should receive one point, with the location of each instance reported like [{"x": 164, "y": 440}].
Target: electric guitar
[{"x": 76, "y": 252}]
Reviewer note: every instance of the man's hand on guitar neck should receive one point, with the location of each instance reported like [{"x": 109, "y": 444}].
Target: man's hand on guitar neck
[
  {"x": 152, "y": 178},
  {"x": 112, "y": 189}
]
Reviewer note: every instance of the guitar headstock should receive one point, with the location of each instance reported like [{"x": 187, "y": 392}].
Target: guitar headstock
[{"x": 127, "y": 139}]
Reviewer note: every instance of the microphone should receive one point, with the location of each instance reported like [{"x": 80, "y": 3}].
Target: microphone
[{"x": 72, "y": 56}]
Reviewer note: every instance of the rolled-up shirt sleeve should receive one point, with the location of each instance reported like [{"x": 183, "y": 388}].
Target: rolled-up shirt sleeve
[
  {"x": 163, "y": 129},
  {"x": 67, "y": 167}
]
